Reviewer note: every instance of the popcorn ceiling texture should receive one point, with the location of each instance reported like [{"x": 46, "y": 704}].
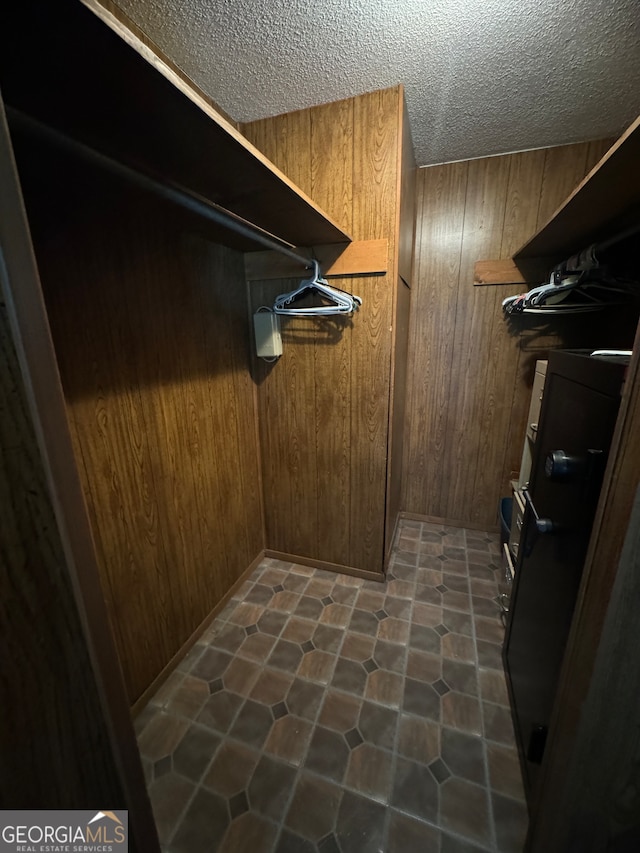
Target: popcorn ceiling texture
[{"x": 482, "y": 77}]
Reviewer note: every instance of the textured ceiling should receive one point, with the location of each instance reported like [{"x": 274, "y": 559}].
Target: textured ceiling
[{"x": 481, "y": 76}]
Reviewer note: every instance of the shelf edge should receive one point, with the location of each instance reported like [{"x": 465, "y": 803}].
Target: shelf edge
[{"x": 189, "y": 92}]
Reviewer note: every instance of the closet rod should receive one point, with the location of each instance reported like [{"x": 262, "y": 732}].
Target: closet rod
[{"x": 166, "y": 189}]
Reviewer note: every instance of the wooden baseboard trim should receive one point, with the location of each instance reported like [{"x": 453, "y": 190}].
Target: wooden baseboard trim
[
  {"x": 159, "y": 680},
  {"x": 322, "y": 564},
  {"x": 450, "y": 522}
]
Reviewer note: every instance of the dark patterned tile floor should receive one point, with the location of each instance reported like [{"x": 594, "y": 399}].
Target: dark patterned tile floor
[{"x": 322, "y": 713}]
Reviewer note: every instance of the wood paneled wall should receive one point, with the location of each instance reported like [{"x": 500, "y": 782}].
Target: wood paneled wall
[
  {"x": 53, "y": 736},
  {"x": 149, "y": 320},
  {"x": 66, "y": 736},
  {"x": 324, "y": 407},
  {"x": 470, "y": 371},
  {"x": 406, "y": 229}
]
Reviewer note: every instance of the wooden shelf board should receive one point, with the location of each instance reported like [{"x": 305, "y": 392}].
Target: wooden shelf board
[
  {"x": 95, "y": 81},
  {"x": 507, "y": 271},
  {"x": 607, "y": 197},
  {"x": 362, "y": 257}
]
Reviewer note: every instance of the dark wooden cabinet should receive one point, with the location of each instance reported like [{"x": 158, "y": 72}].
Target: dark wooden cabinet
[{"x": 579, "y": 410}]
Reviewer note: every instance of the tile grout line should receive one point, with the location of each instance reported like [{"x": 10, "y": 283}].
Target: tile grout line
[
  {"x": 396, "y": 740},
  {"x": 314, "y": 724},
  {"x": 198, "y": 786},
  {"x": 359, "y": 695},
  {"x": 492, "y": 826}
]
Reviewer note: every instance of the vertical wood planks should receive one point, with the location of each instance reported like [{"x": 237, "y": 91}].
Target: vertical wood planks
[
  {"x": 245, "y": 534},
  {"x": 470, "y": 372},
  {"x": 286, "y": 391},
  {"x": 405, "y": 213},
  {"x": 324, "y": 408},
  {"x": 564, "y": 168},
  {"x": 149, "y": 320},
  {"x": 332, "y": 142},
  {"x": 66, "y": 737},
  {"x": 374, "y": 215},
  {"x": 439, "y": 230},
  {"x": 473, "y": 343},
  {"x": 55, "y": 743},
  {"x": 526, "y": 172},
  {"x": 500, "y": 406},
  {"x": 109, "y": 427}
]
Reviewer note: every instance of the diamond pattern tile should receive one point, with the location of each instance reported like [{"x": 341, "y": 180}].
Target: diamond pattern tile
[
  {"x": 323, "y": 713},
  {"x": 238, "y": 805},
  {"x": 279, "y": 710},
  {"x": 353, "y": 738},
  {"x": 440, "y": 770}
]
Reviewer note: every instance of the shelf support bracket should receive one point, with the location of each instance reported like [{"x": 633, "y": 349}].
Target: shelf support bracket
[{"x": 361, "y": 257}]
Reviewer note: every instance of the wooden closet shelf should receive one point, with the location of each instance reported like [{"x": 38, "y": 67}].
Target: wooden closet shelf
[
  {"x": 605, "y": 203},
  {"x": 98, "y": 83},
  {"x": 361, "y": 257},
  {"x": 607, "y": 197},
  {"x": 507, "y": 271}
]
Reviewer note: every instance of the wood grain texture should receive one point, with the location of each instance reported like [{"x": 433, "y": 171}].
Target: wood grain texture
[
  {"x": 128, "y": 104},
  {"x": 564, "y": 168},
  {"x": 332, "y": 142},
  {"x": 149, "y": 322},
  {"x": 398, "y": 412},
  {"x": 286, "y": 403},
  {"x": 55, "y": 746},
  {"x": 324, "y": 407},
  {"x": 554, "y": 170},
  {"x": 470, "y": 372},
  {"x": 286, "y": 394},
  {"x": 361, "y": 257},
  {"x": 506, "y": 271},
  {"x": 440, "y": 199},
  {"x": 475, "y": 340},
  {"x": 66, "y": 735},
  {"x": 598, "y": 199},
  {"x": 145, "y": 697},
  {"x": 376, "y": 164},
  {"x": 405, "y": 212}
]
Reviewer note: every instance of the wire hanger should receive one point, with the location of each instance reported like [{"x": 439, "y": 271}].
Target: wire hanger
[{"x": 342, "y": 302}]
